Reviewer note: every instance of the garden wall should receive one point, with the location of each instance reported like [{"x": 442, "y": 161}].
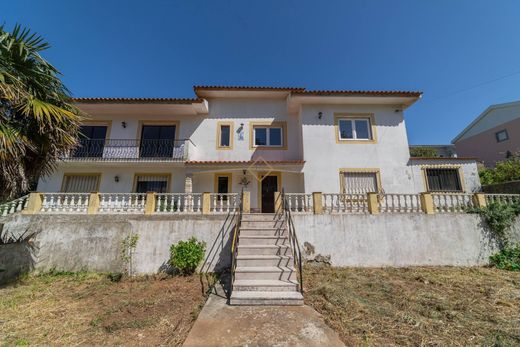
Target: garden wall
[{"x": 94, "y": 242}]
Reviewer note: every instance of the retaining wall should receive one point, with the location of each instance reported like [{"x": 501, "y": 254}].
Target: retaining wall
[{"x": 94, "y": 242}]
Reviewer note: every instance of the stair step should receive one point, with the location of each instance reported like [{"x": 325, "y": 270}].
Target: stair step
[
  {"x": 264, "y": 249},
  {"x": 260, "y": 217},
  {"x": 262, "y": 231},
  {"x": 265, "y": 273},
  {"x": 266, "y": 298},
  {"x": 262, "y": 240},
  {"x": 263, "y": 223},
  {"x": 265, "y": 285},
  {"x": 264, "y": 260}
]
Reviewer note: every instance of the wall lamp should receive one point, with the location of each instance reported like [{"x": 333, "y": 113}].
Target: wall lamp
[
  {"x": 116, "y": 178},
  {"x": 320, "y": 114},
  {"x": 123, "y": 124}
]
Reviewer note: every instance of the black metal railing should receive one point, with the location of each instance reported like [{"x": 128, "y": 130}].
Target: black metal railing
[
  {"x": 129, "y": 149},
  {"x": 285, "y": 213},
  {"x": 234, "y": 242}
]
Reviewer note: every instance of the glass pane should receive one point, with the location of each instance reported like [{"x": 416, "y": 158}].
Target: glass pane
[
  {"x": 362, "y": 131},
  {"x": 222, "y": 185},
  {"x": 156, "y": 184},
  {"x": 157, "y": 141},
  {"x": 225, "y": 136},
  {"x": 260, "y": 136},
  {"x": 345, "y": 129},
  {"x": 275, "y": 136},
  {"x": 443, "y": 180}
]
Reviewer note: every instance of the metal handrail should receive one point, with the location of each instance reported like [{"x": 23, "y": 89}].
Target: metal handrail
[
  {"x": 293, "y": 239},
  {"x": 234, "y": 243}
]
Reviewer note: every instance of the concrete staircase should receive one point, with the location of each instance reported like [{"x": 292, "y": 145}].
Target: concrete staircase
[{"x": 264, "y": 273}]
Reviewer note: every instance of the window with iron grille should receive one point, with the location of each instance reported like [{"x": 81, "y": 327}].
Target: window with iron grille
[
  {"x": 443, "y": 180},
  {"x": 80, "y": 183},
  {"x": 151, "y": 183}
]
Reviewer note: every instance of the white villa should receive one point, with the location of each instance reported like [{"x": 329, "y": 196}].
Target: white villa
[{"x": 260, "y": 139}]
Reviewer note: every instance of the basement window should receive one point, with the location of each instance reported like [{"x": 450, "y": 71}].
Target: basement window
[{"x": 443, "y": 180}]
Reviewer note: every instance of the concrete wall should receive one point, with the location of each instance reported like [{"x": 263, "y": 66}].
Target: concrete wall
[
  {"x": 15, "y": 259},
  {"x": 82, "y": 242},
  {"x": 398, "y": 239},
  {"x": 76, "y": 242}
]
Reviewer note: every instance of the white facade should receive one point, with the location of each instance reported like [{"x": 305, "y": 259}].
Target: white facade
[{"x": 310, "y": 158}]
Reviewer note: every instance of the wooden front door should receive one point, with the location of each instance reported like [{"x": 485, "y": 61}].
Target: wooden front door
[{"x": 269, "y": 187}]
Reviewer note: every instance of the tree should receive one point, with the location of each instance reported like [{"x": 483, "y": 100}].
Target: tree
[
  {"x": 504, "y": 171},
  {"x": 423, "y": 152},
  {"x": 38, "y": 121}
]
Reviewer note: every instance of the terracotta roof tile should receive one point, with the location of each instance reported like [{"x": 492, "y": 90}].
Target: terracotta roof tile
[
  {"x": 249, "y": 162},
  {"x": 195, "y": 88},
  {"x": 139, "y": 100},
  {"x": 399, "y": 93},
  {"x": 443, "y": 158}
]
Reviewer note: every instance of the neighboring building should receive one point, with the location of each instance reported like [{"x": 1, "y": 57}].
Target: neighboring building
[
  {"x": 493, "y": 136},
  {"x": 443, "y": 151},
  {"x": 261, "y": 139}
]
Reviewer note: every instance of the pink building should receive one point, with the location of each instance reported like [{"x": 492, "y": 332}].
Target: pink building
[{"x": 493, "y": 136}]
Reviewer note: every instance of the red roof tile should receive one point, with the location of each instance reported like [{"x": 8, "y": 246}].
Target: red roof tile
[
  {"x": 139, "y": 100},
  {"x": 249, "y": 162},
  {"x": 398, "y": 93}
]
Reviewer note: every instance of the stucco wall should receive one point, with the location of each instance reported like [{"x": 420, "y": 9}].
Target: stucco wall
[{"x": 94, "y": 243}]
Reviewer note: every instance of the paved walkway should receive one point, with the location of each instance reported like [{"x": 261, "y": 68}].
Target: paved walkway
[{"x": 219, "y": 324}]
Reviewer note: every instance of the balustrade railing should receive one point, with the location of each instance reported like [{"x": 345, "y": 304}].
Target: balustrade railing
[
  {"x": 178, "y": 203},
  {"x": 400, "y": 203},
  {"x": 128, "y": 149},
  {"x": 222, "y": 202},
  {"x": 122, "y": 202},
  {"x": 457, "y": 203},
  {"x": 299, "y": 202},
  {"x": 345, "y": 203},
  {"x": 13, "y": 206},
  {"x": 65, "y": 202},
  {"x": 502, "y": 198}
]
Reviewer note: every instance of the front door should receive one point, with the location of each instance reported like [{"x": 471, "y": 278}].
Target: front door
[{"x": 269, "y": 186}]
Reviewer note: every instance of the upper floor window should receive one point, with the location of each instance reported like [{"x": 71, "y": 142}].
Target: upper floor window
[
  {"x": 355, "y": 128},
  {"x": 91, "y": 142},
  {"x": 502, "y": 135},
  {"x": 225, "y": 135},
  {"x": 443, "y": 180},
  {"x": 272, "y": 135},
  {"x": 157, "y": 140}
]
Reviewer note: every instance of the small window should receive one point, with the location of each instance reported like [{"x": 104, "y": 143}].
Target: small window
[
  {"x": 223, "y": 185},
  {"x": 360, "y": 182},
  {"x": 443, "y": 180},
  {"x": 225, "y": 136},
  {"x": 80, "y": 183},
  {"x": 151, "y": 183},
  {"x": 502, "y": 135},
  {"x": 354, "y": 129},
  {"x": 268, "y": 136}
]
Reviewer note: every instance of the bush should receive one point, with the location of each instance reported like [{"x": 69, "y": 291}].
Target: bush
[
  {"x": 504, "y": 171},
  {"x": 507, "y": 259},
  {"x": 187, "y": 255},
  {"x": 499, "y": 218}
]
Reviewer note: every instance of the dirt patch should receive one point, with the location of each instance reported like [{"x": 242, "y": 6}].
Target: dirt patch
[
  {"x": 418, "y": 306},
  {"x": 89, "y": 309}
]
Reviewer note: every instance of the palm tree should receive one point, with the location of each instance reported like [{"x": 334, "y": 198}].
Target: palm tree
[{"x": 38, "y": 120}]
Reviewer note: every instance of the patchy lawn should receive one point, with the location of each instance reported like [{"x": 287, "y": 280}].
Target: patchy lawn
[
  {"x": 418, "y": 306},
  {"x": 89, "y": 309}
]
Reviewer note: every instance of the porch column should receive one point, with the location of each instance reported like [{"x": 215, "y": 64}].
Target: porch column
[
  {"x": 246, "y": 202},
  {"x": 188, "y": 188}
]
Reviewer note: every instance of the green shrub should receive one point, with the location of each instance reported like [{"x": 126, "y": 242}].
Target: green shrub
[
  {"x": 499, "y": 218},
  {"x": 507, "y": 259},
  {"x": 187, "y": 255}
]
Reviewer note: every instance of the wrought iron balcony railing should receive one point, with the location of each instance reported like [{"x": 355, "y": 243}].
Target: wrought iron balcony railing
[{"x": 129, "y": 150}]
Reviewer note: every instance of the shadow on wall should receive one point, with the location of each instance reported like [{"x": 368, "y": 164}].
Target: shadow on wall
[
  {"x": 216, "y": 266},
  {"x": 17, "y": 255}
]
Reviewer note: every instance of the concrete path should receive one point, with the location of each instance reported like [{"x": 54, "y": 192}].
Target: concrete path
[{"x": 219, "y": 324}]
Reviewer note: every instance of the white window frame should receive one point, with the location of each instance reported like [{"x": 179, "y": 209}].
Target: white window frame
[
  {"x": 354, "y": 133},
  {"x": 267, "y": 135}
]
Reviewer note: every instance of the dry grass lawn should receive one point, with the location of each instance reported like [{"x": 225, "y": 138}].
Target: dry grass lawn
[
  {"x": 418, "y": 306},
  {"x": 88, "y": 309}
]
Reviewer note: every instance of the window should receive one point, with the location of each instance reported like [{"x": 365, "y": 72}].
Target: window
[
  {"x": 91, "y": 141},
  {"x": 151, "y": 183},
  {"x": 354, "y": 129},
  {"x": 268, "y": 136},
  {"x": 80, "y": 183},
  {"x": 502, "y": 135},
  {"x": 224, "y": 135},
  {"x": 443, "y": 180},
  {"x": 360, "y": 182},
  {"x": 223, "y": 185},
  {"x": 157, "y": 141}
]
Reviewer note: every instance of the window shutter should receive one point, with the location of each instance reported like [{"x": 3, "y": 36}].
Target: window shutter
[
  {"x": 80, "y": 184},
  {"x": 360, "y": 182}
]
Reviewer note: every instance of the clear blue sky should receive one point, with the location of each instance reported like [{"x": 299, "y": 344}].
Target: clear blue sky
[{"x": 158, "y": 48}]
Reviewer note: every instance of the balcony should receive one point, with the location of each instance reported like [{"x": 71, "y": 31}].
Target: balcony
[{"x": 129, "y": 150}]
